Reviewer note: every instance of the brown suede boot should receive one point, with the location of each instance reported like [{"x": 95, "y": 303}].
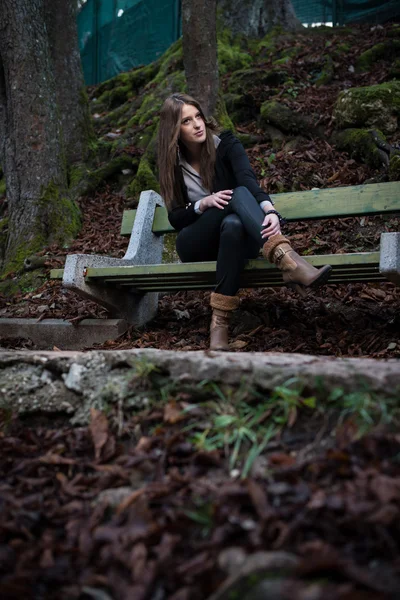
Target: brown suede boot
[
  {"x": 297, "y": 272},
  {"x": 222, "y": 310}
]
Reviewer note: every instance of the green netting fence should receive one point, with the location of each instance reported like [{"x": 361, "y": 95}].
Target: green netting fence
[{"x": 118, "y": 35}]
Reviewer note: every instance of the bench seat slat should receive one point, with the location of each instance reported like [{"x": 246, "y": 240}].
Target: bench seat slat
[
  {"x": 258, "y": 273},
  {"x": 356, "y": 258},
  {"x": 366, "y": 199}
]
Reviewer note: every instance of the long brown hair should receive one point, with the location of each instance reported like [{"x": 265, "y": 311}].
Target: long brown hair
[{"x": 169, "y": 146}]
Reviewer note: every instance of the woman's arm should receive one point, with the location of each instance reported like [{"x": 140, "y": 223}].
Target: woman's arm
[
  {"x": 245, "y": 175},
  {"x": 182, "y": 216}
]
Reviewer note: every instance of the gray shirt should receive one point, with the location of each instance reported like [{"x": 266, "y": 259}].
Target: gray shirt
[{"x": 194, "y": 185}]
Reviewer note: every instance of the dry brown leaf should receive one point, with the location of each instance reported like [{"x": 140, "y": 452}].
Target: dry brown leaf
[{"x": 99, "y": 430}]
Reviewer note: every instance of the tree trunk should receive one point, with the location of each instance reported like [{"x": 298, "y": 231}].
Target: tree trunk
[
  {"x": 73, "y": 107},
  {"x": 256, "y": 18},
  {"x": 200, "y": 51},
  {"x": 33, "y": 157}
]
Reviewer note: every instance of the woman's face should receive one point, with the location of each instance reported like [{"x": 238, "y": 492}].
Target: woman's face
[{"x": 193, "y": 128}]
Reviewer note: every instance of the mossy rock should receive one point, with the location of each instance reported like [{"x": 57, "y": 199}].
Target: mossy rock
[
  {"x": 360, "y": 145},
  {"x": 280, "y": 116},
  {"x": 327, "y": 73},
  {"x": 85, "y": 181},
  {"x": 240, "y": 107},
  {"x": 376, "y": 106},
  {"x": 388, "y": 51},
  {"x": 24, "y": 283},
  {"x": 394, "y": 72},
  {"x": 241, "y": 81},
  {"x": 394, "y": 167}
]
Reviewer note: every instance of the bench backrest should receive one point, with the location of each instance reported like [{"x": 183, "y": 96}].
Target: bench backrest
[{"x": 366, "y": 199}]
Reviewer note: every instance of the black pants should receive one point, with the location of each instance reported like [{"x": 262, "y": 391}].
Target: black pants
[{"x": 230, "y": 236}]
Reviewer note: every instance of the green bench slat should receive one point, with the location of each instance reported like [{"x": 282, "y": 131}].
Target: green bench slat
[
  {"x": 366, "y": 199},
  {"x": 356, "y": 258}
]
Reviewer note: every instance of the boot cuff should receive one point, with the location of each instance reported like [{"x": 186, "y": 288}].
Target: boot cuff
[
  {"x": 271, "y": 244},
  {"x": 222, "y": 302}
]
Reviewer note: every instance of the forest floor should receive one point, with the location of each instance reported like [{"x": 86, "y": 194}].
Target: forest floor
[{"x": 175, "y": 511}]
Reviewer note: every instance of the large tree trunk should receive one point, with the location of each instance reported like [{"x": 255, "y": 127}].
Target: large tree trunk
[
  {"x": 67, "y": 69},
  {"x": 33, "y": 156},
  {"x": 200, "y": 51},
  {"x": 257, "y": 17}
]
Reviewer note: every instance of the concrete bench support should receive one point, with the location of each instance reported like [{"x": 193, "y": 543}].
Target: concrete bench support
[
  {"x": 389, "y": 264},
  {"x": 144, "y": 248}
]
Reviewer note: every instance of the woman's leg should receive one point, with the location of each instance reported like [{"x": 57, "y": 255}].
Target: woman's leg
[
  {"x": 200, "y": 240},
  {"x": 296, "y": 271},
  {"x": 235, "y": 247}
]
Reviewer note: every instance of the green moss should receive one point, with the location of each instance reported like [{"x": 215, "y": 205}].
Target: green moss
[
  {"x": 282, "y": 61},
  {"x": 241, "y": 81},
  {"x": 343, "y": 48},
  {"x": 144, "y": 180},
  {"x": 57, "y": 221},
  {"x": 22, "y": 284},
  {"x": 387, "y": 50},
  {"x": 283, "y": 118},
  {"x": 394, "y": 72},
  {"x": 394, "y": 168},
  {"x": 222, "y": 116},
  {"x": 59, "y": 216},
  {"x": 172, "y": 60},
  {"x": 2, "y": 187},
  {"x": 371, "y": 106},
  {"x": 360, "y": 145},
  {"x": 170, "y": 254},
  {"x": 84, "y": 181},
  {"x": 240, "y": 108},
  {"x": 327, "y": 73},
  {"x": 231, "y": 57}
]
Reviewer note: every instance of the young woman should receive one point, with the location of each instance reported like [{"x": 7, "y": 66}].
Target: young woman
[{"x": 214, "y": 201}]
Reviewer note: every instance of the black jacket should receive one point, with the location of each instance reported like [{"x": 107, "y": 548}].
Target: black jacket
[{"x": 232, "y": 169}]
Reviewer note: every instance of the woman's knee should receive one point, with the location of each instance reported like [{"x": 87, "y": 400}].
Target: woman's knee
[
  {"x": 232, "y": 226},
  {"x": 240, "y": 194}
]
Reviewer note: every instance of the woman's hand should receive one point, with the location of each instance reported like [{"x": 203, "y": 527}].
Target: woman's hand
[
  {"x": 271, "y": 225},
  {"x": 217, "y": 200}
]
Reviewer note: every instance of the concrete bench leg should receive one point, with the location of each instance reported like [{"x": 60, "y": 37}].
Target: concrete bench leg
[
  {"x": 144, "y": 248},
  {"x": 136, "y": 309},
  {"x": 389, "y": 264}
]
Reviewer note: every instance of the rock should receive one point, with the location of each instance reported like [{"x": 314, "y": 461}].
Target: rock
[
  {"x": 73, "y": 380},
  {"x": 231, "y": 559},
  {"x": 99, "y": 379},
  {"x": 388, "y": 50},
  {"x": 244, "y": 79},
  {"x": 256, "y": 568},
  {"x": 361, "y": 145},
  {"x": 114, "y": 496},
  {"x": 394, "y": 167},
  {"x": 375, "y": 106},
  {"x": 281, "y": 116},
  {"x": 240, "y": 107}
]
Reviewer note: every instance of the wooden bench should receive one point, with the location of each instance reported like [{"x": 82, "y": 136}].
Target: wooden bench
[{"x": 129, "y": 287}]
